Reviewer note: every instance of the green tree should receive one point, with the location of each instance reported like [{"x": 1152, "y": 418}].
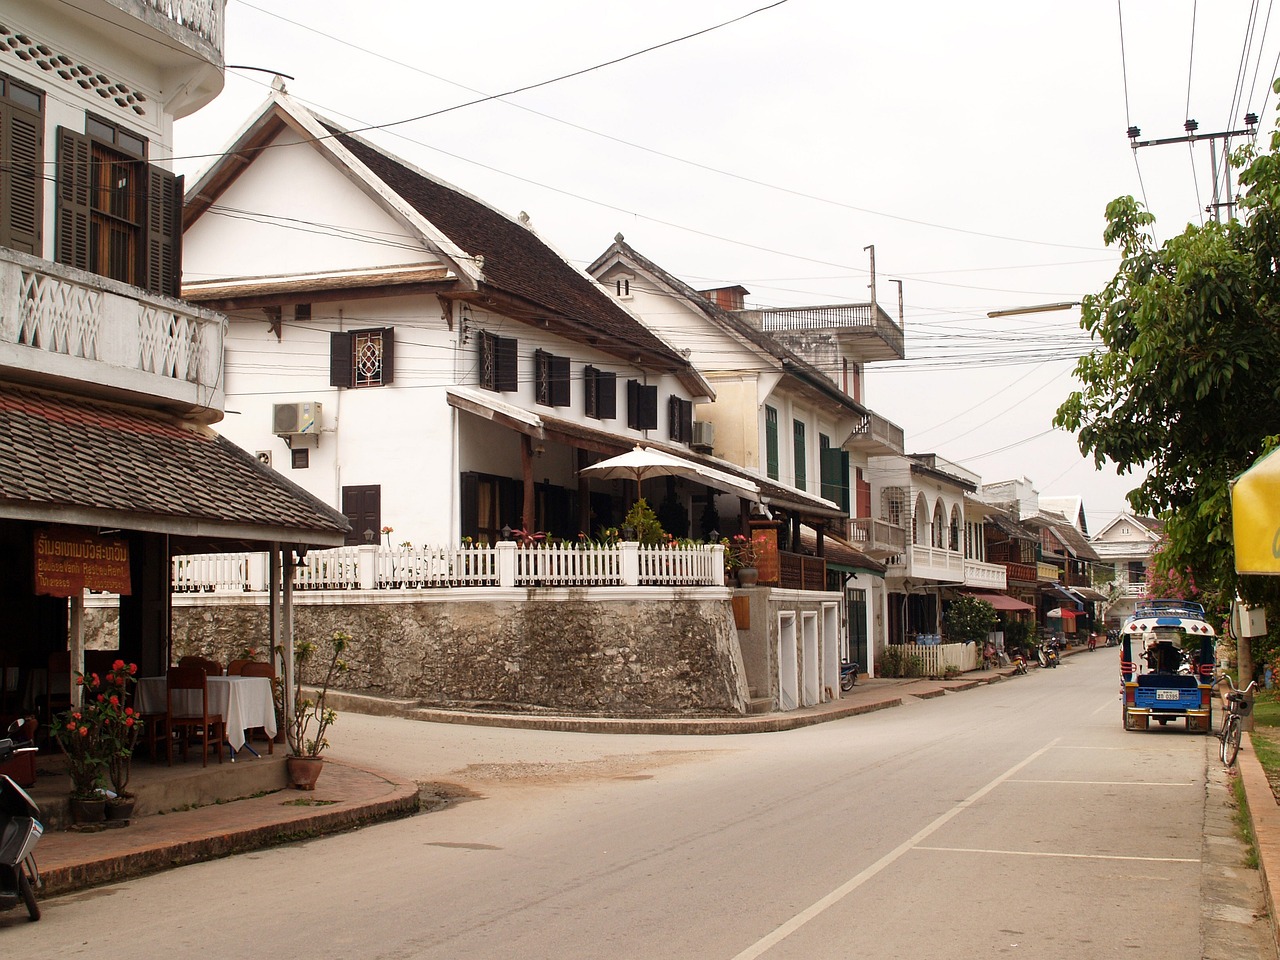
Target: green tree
[
  {"x": 1186, "y": 377},
  {"x": 969, "y": 620}
]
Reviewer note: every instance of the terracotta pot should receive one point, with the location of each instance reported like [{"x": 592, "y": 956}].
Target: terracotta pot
[
  {"x": 121, "y": 808},
  {"x": 747, "y": 576},
  {"x": 304, "y": 771},
  {"x": 88, "y": 811}
]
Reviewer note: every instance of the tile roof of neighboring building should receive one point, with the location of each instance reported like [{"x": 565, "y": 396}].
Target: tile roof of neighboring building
[
  {"x": 840, "y": 553},
  {"x": 515, "y": 259},
  {"x": 1072, "y": 539},
  {"x": 63, "y": 457}
]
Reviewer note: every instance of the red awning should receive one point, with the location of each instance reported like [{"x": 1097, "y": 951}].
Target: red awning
[{"x": 1002, "y": 601}]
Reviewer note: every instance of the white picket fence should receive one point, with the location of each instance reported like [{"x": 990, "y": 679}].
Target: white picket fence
[
  {"x": 375, "y": 567},
  {"x": 936, "y": 658}
]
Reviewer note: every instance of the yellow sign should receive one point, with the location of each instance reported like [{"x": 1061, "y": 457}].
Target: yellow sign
[
  {"x": 68, "y": 560},
  {"x": 1255, "y": 516}
]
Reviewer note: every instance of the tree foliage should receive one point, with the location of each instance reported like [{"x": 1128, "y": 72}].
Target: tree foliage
[
  {"x": 1185, "y": 379},
  {"x": 969, "y": 620}
]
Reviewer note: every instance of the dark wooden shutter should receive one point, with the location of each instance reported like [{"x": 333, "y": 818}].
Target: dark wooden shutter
[
  {"x": 74, "y": 194},
  {"x": 642, "y": 406},
  {"x": 341, "y": 360},
  {"x": 163, "y": 232},
  {"x": 560, "y": 381},
  {"x": 388, "y": 355},
  {"x": 21, "y": 179},
  {"x": 606, "y": 395},
  {"x": 470, "y": 505},
  {"x": 633, "y": 404},
  {"x": 542, "y": 377},
  {"x": 508, "y": 379},
  {"x": 590, "y": 391},
  {"x": 363, "y": 509},
  {"x": 673, "y": 418},
  {"x": 680, "y": 419},
  {"x": 835, "y": 475},
  {"x": 771, "y": 442},
  {"x": 800, "y": 456}
]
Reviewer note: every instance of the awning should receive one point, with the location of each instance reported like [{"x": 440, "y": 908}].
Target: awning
[
  {"x": 496, "y": 409},
  {"x": 1002, "y": 601},
  {"x": 1088, "y": 593},
  {"x": 1062, "y": 593},
  {"x": 840, "y": 554},
  {"x": 75, "y": 460},
  {"x": 1255, "y": 516}
]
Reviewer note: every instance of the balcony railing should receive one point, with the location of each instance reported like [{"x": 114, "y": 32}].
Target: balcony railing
[
  {"x": 59, "y": 324},
  {"x": 877, "y": 537},
  {"x": 990, "y": 576},
  {"x": 929, "y": 563},
  {"x": 1048, "y": 572},
  {"x": 1026, "y": 572},
  {"x": 204, "y": 18},
  {"x": 866, "y": 321},
  {"x": 799, "y": 571},
  {"x": 877, "y": 435},
  {"x": 1075, "y": 578}
]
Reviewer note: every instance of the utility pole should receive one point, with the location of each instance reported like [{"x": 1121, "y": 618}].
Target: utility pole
[
  {"x": 1251, "y": 129},
  {"x": 872, "y": 248}
]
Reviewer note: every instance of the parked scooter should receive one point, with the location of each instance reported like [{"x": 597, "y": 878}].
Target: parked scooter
[
  {"x": 1048, "y": 654},
  {"x": 1019, "y": 666},
  {"x": 20, "y": 830},
  {"x": 848, "y": 675}
]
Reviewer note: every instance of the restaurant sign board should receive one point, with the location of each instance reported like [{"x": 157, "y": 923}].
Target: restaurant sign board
[{"x": 68, "y": 560}]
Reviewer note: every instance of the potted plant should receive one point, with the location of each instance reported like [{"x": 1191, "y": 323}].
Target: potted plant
[
  {"x": 742, "y": 549},
  {"x": 119, "y": 730},
  {"x": 78, "y": 731},
  {"x": 310, "y": 717}
]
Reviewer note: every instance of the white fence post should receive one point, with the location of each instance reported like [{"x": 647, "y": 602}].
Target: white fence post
[
  {"x": 506, "y": 563},
  {"x": 367, "y": 560},
  {"x": 630, "y": 550}
]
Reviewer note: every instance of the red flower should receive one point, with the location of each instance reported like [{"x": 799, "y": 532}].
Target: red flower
[
  {"x": 79, "y": 681},
  {"x": 115, "y": 701},
  {"x": 71, "y": 726},
  {"x": 118, "y": 665},
  {"x": 128, "y": 711},
  {"x": 84, "y": 731},
  {"x": 128, "y": 721},
  {"x": 133, "y": 668}
]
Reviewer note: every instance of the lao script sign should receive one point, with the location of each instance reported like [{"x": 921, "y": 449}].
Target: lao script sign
[{"x": 69, "y": 560}]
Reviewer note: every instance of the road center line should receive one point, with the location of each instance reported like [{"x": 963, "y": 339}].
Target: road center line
[
  {"x": 819, "y": 907},
  {"x": 1048, "y": 853}
]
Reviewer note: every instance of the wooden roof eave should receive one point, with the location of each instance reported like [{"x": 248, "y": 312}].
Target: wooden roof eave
[{"x": 285, "y": 296}]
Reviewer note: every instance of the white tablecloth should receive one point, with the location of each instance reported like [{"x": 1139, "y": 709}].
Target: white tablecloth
[{"x": 244, "y": 702}]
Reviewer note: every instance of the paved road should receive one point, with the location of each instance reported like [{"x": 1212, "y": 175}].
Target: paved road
[{"x": 1014, "y": 819}]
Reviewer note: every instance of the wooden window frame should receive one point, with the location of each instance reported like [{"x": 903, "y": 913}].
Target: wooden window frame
[
  {"x": 498, "y": 366},
  {"x": 22, "y": 121},
  {"x": 642, "y": 406},
  {"x": 679, "y": 419},
  {"x": 550, "y": 379},
  {"x": 800, "y": 454},
  {"x": 362, "y": 358},
  {"x": 600, "y": 393},
  {"x": 771, "y": 449}
]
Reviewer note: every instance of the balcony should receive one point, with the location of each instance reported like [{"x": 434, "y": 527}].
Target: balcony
[
  {"x": 1024, "y": 572},
  {"x": 71, "y": 330},
  {"x": 877, "y": 538},
  {"x": 864, "y": 327},
  {"x": 1075, "y": 578},
  {"x": 183, "y": 38},
  {"x": 877, "y": 436},
  {"x": 1048, "y": 573},
  {"x": 988, "y": 576},
  {"x": 928, "y": 563}
]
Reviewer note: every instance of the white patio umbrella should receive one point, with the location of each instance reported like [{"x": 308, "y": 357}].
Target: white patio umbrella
[{"x": 643, "y": 463}]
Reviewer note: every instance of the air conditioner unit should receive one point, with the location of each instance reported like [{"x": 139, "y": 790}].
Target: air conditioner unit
[
  {"x": 294, "y": 419},
  {"x": 704, "y": 434}
]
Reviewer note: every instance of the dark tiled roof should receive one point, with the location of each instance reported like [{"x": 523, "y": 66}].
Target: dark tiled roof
[
  {"x": 1010, "y": 527},
  {"x": 516, "y": 261},
  {"x": 64, "y": 453}
]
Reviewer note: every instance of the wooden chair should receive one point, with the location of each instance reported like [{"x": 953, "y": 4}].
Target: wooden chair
[
  {"x": 212, "y": 668},
  {"x": 235, "y": 666},
  {"x": 255, "y": 668},
  {"x": 188, "y": 723}
]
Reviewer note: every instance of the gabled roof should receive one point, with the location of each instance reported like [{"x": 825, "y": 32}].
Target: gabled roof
[
  {"x": 1070, "y": 507},
  {"x": 791, "y": 363},
  {"x": 497, "y": 261},
  {"x": 1151, "y": 526},
  {"x": 1072, "y": 540},
  {"x": 68, "y": 459}
]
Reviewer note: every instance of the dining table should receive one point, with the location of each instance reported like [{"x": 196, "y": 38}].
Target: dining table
[{"x": 244, "y": 702}]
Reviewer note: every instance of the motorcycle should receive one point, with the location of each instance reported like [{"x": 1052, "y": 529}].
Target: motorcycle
[
  {"x": 848, "y": 675},
  {"x": 20, "y": 831},
  {"x": 1019, "y": 666},
  {"x": 1048, "y": 654}
]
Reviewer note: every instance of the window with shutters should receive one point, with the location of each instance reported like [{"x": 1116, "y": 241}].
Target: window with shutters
[
  {"x": 363, "y": 509},
  {"x": 21, "y": 166},
  {"x": 497, "y": 362},
  {"x": 834, "y": 464},
  {"x": 362, "y": 358},
  {"x": 600, "y": 389},
  {"x": 771, "y": 442},
  {"x": 800, "y": 455},
  {"x": 550, "y": 379},
  {"x": 117, "y": 215},
  {"x": 642, "y": 406},
  {"x": 680, "y": 419}
]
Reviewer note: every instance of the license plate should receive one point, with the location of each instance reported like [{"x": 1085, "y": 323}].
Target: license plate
[{"x": 1166, "y": 694}]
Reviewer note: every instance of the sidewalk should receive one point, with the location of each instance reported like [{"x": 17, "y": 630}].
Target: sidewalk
[
  {"x": 1265, "y": 816},
  {"x": 347, "y": 797}
]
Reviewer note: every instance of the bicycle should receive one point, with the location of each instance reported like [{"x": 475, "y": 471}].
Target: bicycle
[{"x": 1238, "y": 707}]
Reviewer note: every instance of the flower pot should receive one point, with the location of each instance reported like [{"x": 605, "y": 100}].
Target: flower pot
[
  {"x": 84, "y": 810},
  {"x": 121, "y": 808},
  {"x": 304, "y": 771},
  {"x": 747, "y": 576}
]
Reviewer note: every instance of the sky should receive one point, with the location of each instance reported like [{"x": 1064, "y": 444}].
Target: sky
[{"x": 769, "y": 144}]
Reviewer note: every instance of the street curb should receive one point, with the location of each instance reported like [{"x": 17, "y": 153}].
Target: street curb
[
  {"x": 1264, "y": 814},
  {"x": 400, "y": 799}
]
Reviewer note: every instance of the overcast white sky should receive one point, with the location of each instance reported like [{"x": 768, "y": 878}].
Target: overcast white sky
[{"x": 974, "y": 145}]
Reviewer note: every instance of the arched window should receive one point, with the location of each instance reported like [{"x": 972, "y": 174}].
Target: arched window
[
  {"x": 921, "y": 534},
  {"x": 939, "y": 525},
  {"x": 955, "y": 528}
]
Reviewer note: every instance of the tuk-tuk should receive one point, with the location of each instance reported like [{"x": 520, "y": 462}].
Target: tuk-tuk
[{"x": 1172, "y": 685}]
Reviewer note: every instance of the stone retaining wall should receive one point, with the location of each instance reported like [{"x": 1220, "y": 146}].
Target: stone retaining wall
[{"x": 624, "y": 657}]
